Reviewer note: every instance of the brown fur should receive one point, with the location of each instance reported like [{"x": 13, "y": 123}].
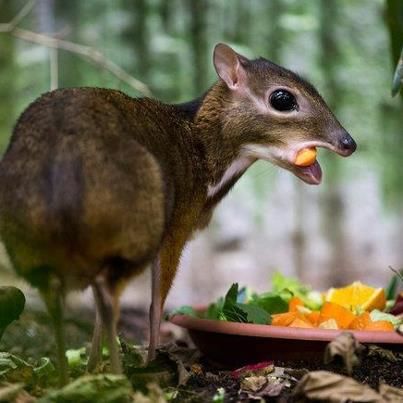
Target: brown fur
[{"x": 95, "y": 181}]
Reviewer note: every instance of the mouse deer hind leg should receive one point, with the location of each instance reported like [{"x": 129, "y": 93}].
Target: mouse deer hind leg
[
  {"x": 53, "y": 297},
  {"x": 107, "y": 313},
  {"x": 96, "y": 342}
]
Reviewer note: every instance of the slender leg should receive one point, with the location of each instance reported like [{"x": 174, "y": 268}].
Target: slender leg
[
  {"x": 155, "y": 309},
  {"x": 53, "y": 298},
  {"x": 105, "y": 304},
  {"x": 95, "y": 352}
]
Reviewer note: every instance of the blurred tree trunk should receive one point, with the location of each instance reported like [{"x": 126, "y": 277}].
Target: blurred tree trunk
[
  {"x": 332, "y": 210},
  {"x": 275, "y": 36},
  {"x": 236, "y": 27},
  {"x": 392, "y": 146},
  {"x": 67, "y": 14},
  {"x": 198, "y": 41},
  {"x": 275, "y": 45},
  {"x": 45, "y": 15},
  {"x": 166, "y": 12},
  {"x": 7, "y": 76},
  {"x": 393, "y": 176},
  {"x": 242, "y": 26},
  {"x": 137, "y": 35}
]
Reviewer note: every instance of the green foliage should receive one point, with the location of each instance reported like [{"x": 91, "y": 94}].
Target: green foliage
[
  {"x": 184, "y": 310},
  {"x": 397, "y": 83},
  {"x": 271, "y": 302},
  {"x": 244, "y": 306},
  {"x": 237, "y": 306},
  {"x": 219, "y": 396},
  {"x": 289, "y": 286},
  {"x": 255, "y": 313},
  {"x": 15, "y": 369},
  {"x": 105, "y": 388},
  {"x": 281, "y": 283},
  {"x": 12, "y": 303},
  {"x": 392, "y": 287}
]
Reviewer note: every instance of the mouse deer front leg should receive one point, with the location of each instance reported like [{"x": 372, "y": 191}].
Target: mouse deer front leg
[
  {"x": 155, "y": 308},
  {"x": 162, "y": 275}
]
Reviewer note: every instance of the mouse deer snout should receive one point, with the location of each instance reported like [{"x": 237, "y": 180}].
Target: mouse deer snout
[
  {"x": 344, "y": 143},
  {"x": 347, "y": 143}
]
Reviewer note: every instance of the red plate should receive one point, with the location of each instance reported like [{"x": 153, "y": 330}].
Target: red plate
[{"x": 236, "y": 344}]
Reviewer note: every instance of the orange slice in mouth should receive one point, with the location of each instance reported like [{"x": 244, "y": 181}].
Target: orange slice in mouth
[{"x": 306, "y": 157}]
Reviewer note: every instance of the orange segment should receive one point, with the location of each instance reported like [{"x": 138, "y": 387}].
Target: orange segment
[
  {"x": 376, "y": 301},
  {"x": 297, "y": 322},
  {"x": 340, "y": 314},
  {"x": 358, "y": 295},
  {"x": 283, "y": 319},
  {"x": 305, "y": 157},
  {"x": 294, "y": 303}
]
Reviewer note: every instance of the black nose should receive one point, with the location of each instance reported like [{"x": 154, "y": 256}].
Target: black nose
[{"x": 347, "y": 143}]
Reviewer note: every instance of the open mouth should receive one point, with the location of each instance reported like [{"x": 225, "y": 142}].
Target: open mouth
[
  {"x": 311, "y": 173},
  {"x": 288, "y": 157}
]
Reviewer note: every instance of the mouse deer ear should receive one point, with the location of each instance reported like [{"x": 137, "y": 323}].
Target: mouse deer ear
[{"x": 229, "y": 66}]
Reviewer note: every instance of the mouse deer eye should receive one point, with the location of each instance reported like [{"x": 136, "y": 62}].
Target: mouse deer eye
[{"x": 283, "y": 101}]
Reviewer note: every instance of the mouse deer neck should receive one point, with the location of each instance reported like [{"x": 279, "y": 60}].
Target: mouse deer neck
[{"x": 222, "y": 143}]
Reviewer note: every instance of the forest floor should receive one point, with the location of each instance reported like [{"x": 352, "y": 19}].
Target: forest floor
[{"x": 180, "y": 373}]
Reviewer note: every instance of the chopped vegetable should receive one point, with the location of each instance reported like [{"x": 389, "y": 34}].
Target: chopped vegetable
[
  {"x": 297, "y": 322},
  {"x": 341, "y": 315},
  {"x": 283, "y": 319},
  {"x": 361, "y": 321},
  {"x": 380, "y": 325},
  {"x": 292, "y": 304}
]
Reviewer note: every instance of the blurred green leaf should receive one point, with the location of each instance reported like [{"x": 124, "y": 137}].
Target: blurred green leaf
[
  {"x": 398, "y": 76},
  {"x": 76, "y": 357},
  {"x": 255, "y": 314},
  {"x": 44, "y": 368},
  {"x": 271, "y": 302},
  {"x": 219, "y": 396},
  {"x": 14, "y": 369},
  {"x": 376, "y": 314},
  {"x": 184, "y": 310},
  {"x": 105, "y": 388},
  {"x": 12, "y": 303}
]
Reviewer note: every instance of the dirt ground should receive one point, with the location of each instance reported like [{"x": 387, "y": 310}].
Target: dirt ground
[{"x": 30, "y": 338}]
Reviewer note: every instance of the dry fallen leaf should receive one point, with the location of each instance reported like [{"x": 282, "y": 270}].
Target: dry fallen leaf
[
  {"x": 270, "y": 390},
  {"x": 258, "y": 387},
  {"x": 8, "y": 391},
  {"x": 253, "y": 383},
  {"x": 261, "y": 368},
  {"x": 184, "y": 358},
  {"x": 333, "y": 388},
  {"x": 390, "y": 393},
  {"x": 347, "y": 348}
]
